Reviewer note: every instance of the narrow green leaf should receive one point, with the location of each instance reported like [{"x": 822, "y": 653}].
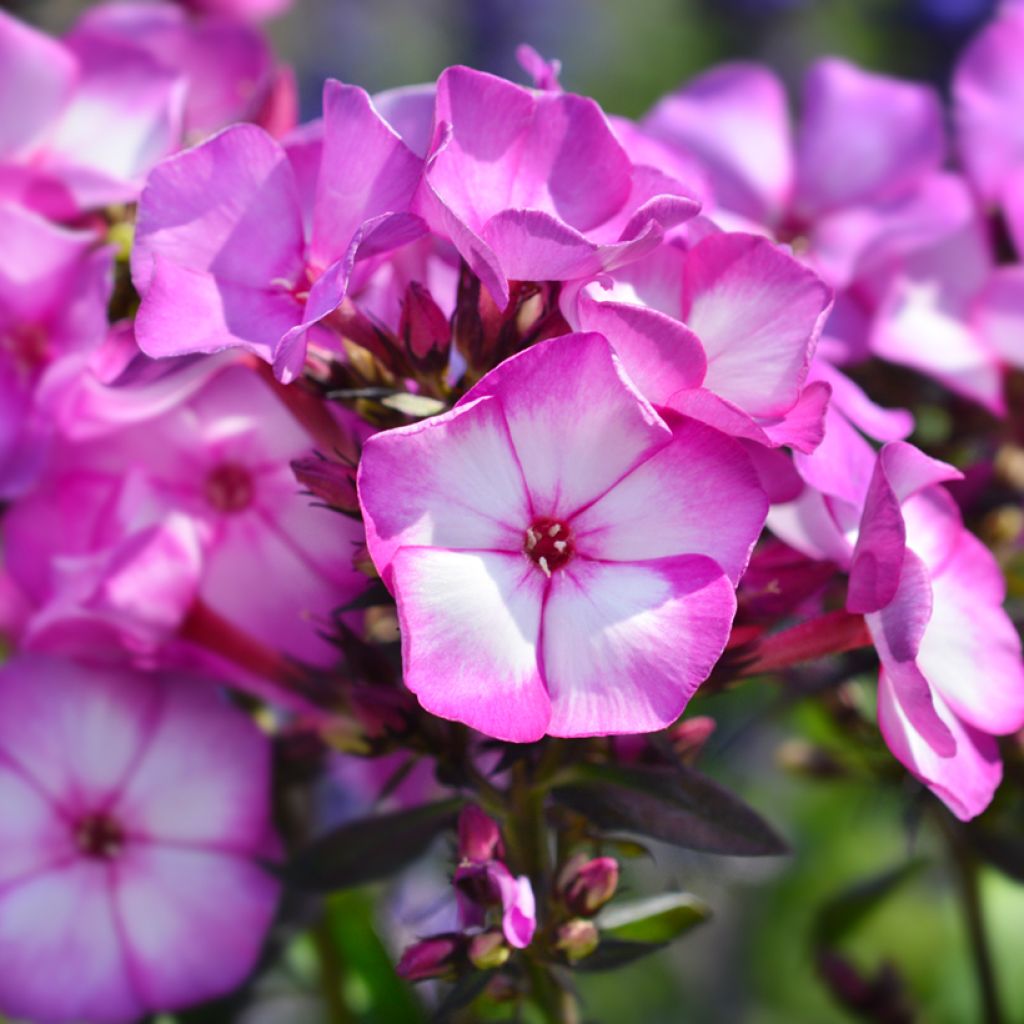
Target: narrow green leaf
[
  {"x": 657, "y": 919},
  {"x": 415, "y": 406},
  {"x": 674, "y": 804},
  {"x": 841, "y": 914},
  {"x": 614, "y": 953},
  {"x": 461, "y": 994},
  {"x": 369, "y": 849}
]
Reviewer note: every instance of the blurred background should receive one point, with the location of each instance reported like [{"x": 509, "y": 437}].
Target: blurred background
[{"x": 755, "y": 960}]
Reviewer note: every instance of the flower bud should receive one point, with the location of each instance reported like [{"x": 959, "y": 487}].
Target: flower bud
[
  {"x": 688, "y": 737},
  {"x": 479, "y": 838},
  {"x": 577, "y": 939},
  {"x": 590, "y": 885},
  {"x": 488, "y": 951},
  {"x": 424, "y": 330},
  {"x": 430, "y": 958},
  {"x": 334, "y": 483}
]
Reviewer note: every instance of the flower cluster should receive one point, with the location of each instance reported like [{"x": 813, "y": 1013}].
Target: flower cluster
[{"x": 591, "y": 405}]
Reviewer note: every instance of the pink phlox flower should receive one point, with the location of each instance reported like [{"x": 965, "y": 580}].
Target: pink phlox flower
[
  {"x": 197, "y": 501},
  {"x": 223, "y": 257},
  {"x": 133, "y": 822},
  {"x": 723, "y": 331},
  {"x": 59, "y": 98},
  {"x": 503, "y": 178},
  {"x": 228, "y": 66},
  {"x": 54, "y": 288},
  {"x": 563, "y": 561},
  {"x": 932, "y": 594}
]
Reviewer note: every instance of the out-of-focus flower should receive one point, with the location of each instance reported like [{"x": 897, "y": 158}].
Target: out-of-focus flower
[
  {"x": 257, "y": 9},
  {"x": 221, "y": 256},
  {"x": 54, "y": 288},
  {"x": 133, "y": 818},
  {"x": 503, "y": 178},
  {"x": 563, "y": 562},
  {"x": 59, "y": 99},
  {"x": 434, "y": 957},
  {"x": 932, "y": 597},
  {"x": 228, "y": 67},
  {"x": 195, "y": 500}
]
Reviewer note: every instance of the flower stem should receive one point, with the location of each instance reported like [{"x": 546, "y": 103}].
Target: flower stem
[
  {"x": 331, "y": 975},
  {"x": 966, "y": 867}
]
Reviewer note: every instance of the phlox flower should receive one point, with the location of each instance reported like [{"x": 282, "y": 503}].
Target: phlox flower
[
  {"x": 134, "y": 814},
  {"x": 563, "y": 561},
  {"x": 951, "y": 672},
  {"x": 723, "y": 331},
  {"x": 194, "y": 499},
  {"x": 532, "y": 185},
  {"x": 60, "y": 98},
  {"x": 224, "y": 256},
  {"x": 54, "y": 288}
]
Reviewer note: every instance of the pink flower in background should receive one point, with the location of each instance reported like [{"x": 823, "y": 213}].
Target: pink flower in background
[
  {"x": 227, "y": 65},
  {"x": 59, "y": 99},
  {"x": 563, "y": 562},
  {"x": 239, "y": 8},
  {"x": 988, "y": 91},
  {"x": 133, "y": 820},
  {"x": 932, "y": 597},
  {"x": 723, "y": 332},
  {"x": 132, "y": 524},
  {"x": 54, "y": 288},
  {"x": 503, "y": 182},
  {"x": 221, "y": 257}
]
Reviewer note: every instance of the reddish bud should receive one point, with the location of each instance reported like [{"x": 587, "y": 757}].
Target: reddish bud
[
  {"x": 479, "y": 837},
  {"x": 430, "y": 958},
  {"x": 424, "y": 330},
  {"x": 588, "y": 886},
  {"x": 688, "y": 738},
  {"x": 334, "y": 483}
]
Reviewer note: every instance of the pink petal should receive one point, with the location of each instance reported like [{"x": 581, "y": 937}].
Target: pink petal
[
  {"x": 699, "y": 495},
  {"x": 660, "y": 354},
  {"x": 74, "y": 731},
  {"x": 864, "y": 137},
  {"x": 758, "y": 314},
  {"x": 193, "y": 921},
  {"x": 228, "y": 208},
  {"x": 470, "y": 625},
  {"x": 61, "y": 950},
  {"x": 366, "y": 171},
  {"x": 202, "y": 778},
  {"x": 878, "y": 554},
  {"x": 37, "y": 76},
  {"x": 897, "y": 631},
  {"x": 965, "y": 781},
  {"x": 409, "y": 109},
  {"x": 998, "y": 314},
  {"x": 34, "y": 835},
  {"x": 576, "y": 421},
  {"x": 988, "y": 92},
  {"x": 735, "y": 120},
  {"x": 452, "y": 481},
  {"x": 970, "y": 651},
  {"x": 626, "y": 645}
]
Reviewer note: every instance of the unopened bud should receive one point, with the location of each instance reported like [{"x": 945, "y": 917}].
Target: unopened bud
[
  {"x": 334, "y": 483},
  {"x": 590, "y": 886},
  {"x": 479, "y": 837},
  {"x": 488, "y": 951},
  {"x": 430, "y": 958},
  {"x": 577, "y": 939},
  {"x": 688, "y": 737},
  {"x": 424, "y": 330}
]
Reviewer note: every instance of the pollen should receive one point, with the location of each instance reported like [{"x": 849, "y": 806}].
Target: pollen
[{"x": 548, "y": 544}]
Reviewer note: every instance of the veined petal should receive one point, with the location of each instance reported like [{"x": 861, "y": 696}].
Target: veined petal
[
  {"x": 758, "y": 314},
  {"x": 577, "y": 423},
  {"x": 626, "y": 644},
  {"x": 470, "y": 633},
  {"x": 965, "y": 781},
  {"x": 700, "y": 495},
  {"x": 452, "y": 481}
]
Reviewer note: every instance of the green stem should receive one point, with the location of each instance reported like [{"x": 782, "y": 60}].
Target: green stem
[
  {"x": 966, "y": 866},
  {"x": 331, "y": 975}
]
